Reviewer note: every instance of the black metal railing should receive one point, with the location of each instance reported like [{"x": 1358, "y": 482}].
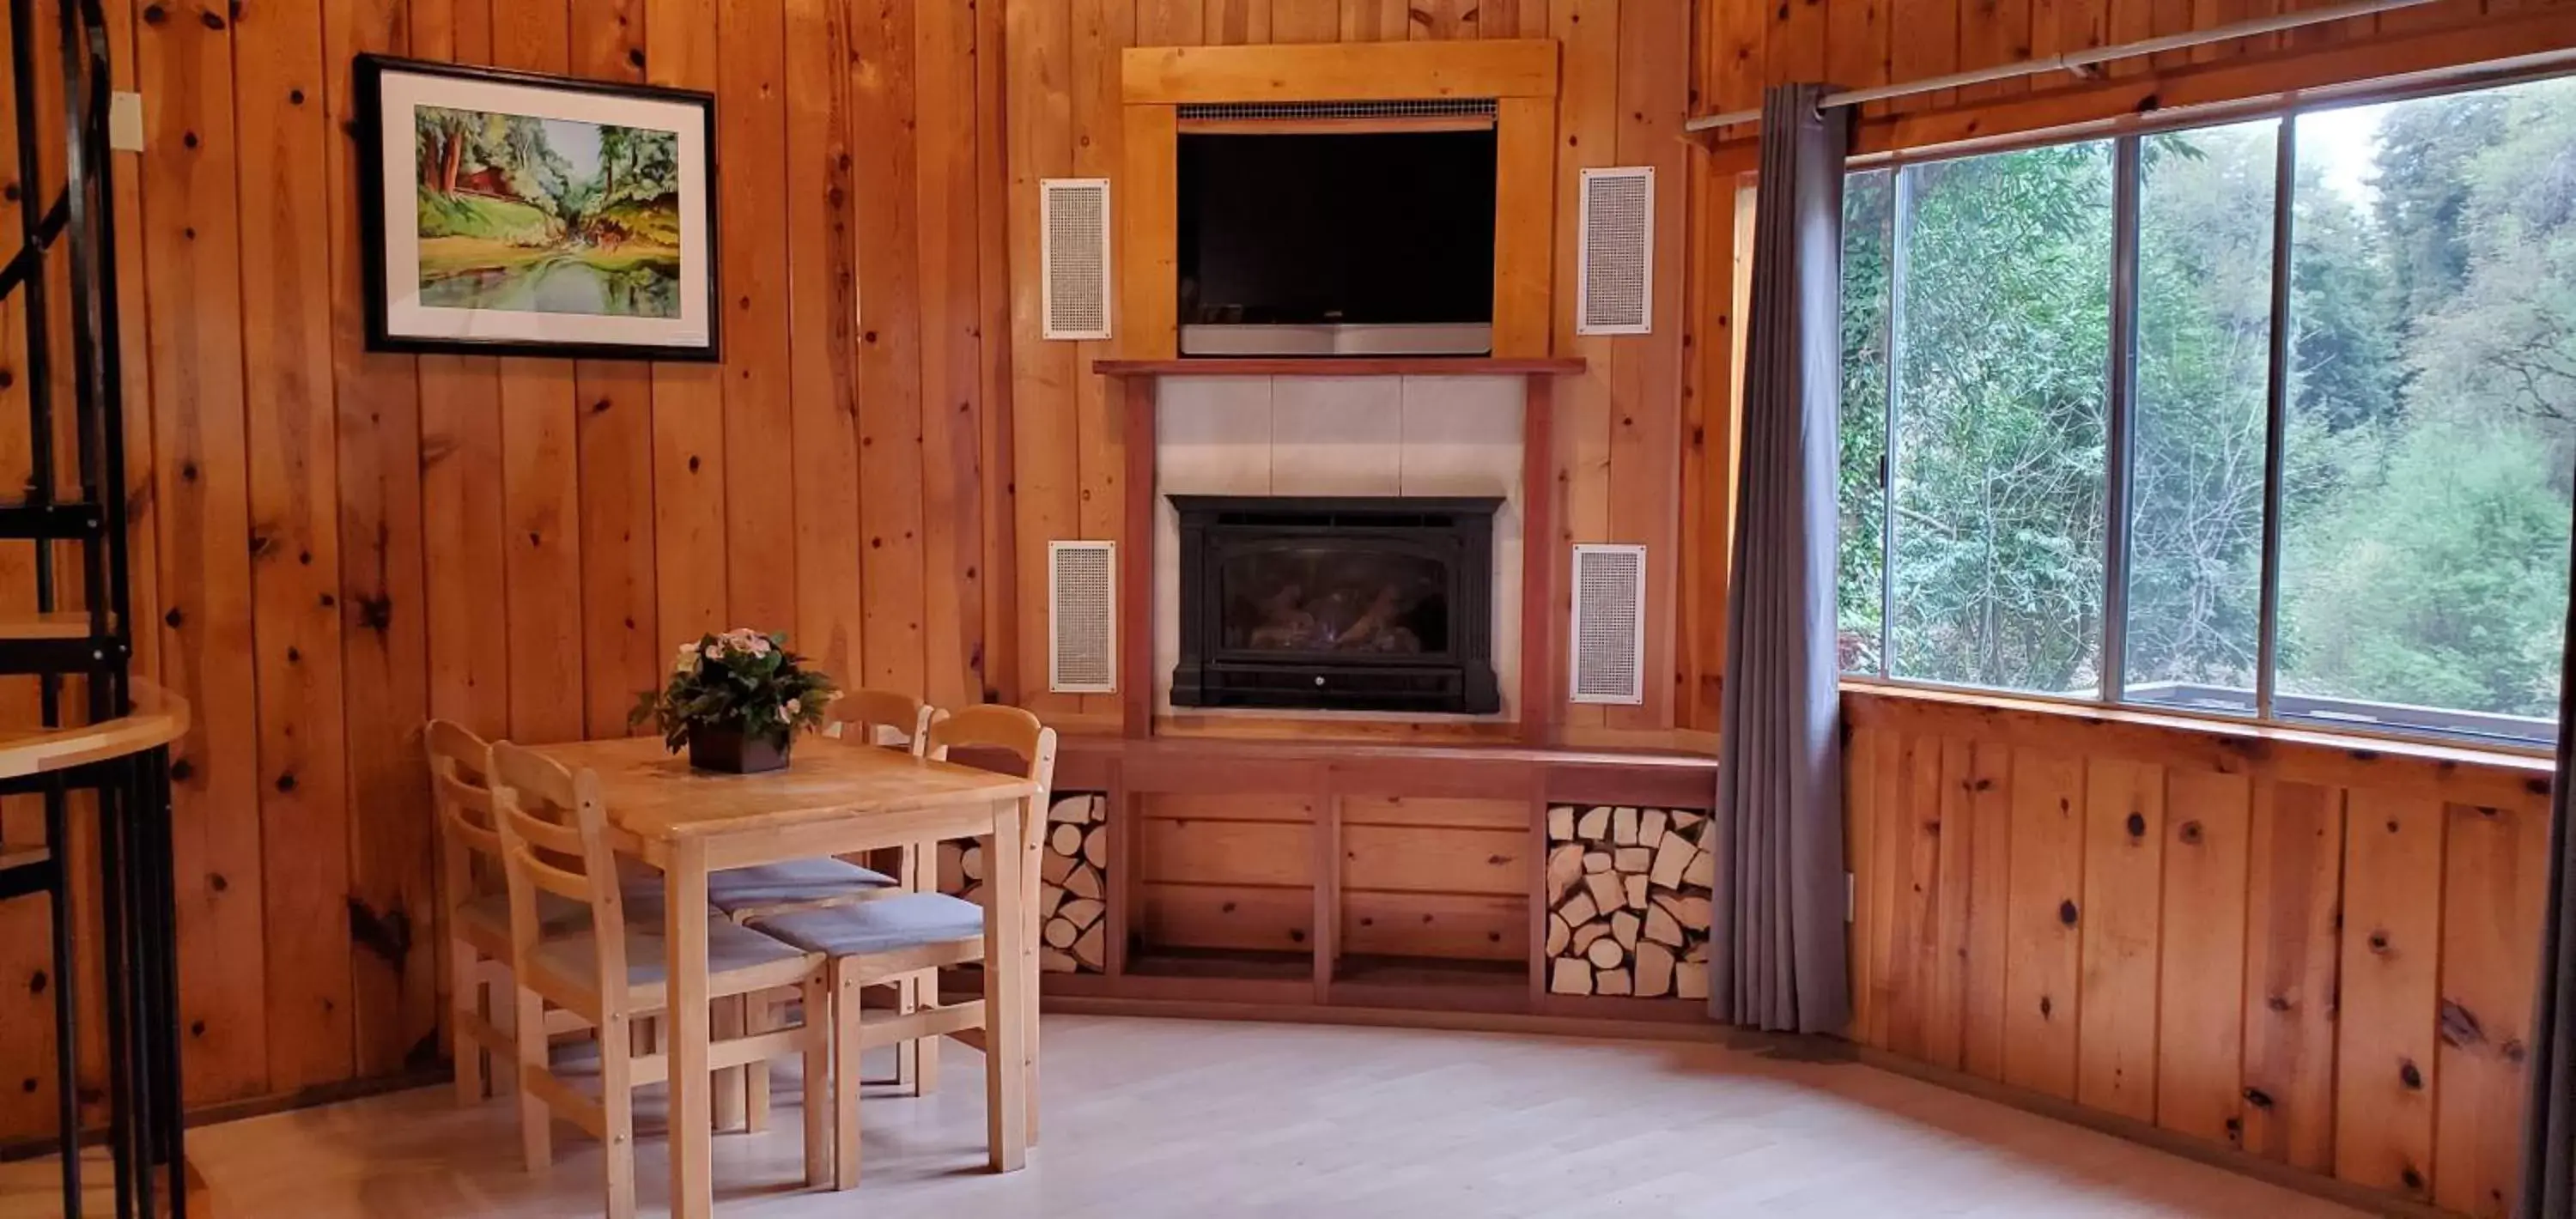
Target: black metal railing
[{"x": 77, "y": 516}]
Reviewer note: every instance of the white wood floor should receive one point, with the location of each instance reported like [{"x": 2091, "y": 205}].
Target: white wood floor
[{"x": 1149, "y": 1118}]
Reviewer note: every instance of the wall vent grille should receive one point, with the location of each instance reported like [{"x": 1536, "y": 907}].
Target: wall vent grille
[
  {"x": 1427, "y": 108},
  {"x": 1609, "y": 624},
  {"x": 1082, "y": 617},
  {"x": 1073, "y": 256},
  {"x": 1615, "y": 283}
]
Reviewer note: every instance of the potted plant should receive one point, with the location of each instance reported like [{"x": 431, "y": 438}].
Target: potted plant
[{"x": 737, "y": 700}]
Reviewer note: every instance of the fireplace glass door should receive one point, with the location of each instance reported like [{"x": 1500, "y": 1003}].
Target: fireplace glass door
[{"x": 1353, "y": 604}]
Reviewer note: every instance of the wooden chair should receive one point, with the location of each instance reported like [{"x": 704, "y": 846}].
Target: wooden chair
[
  {"x": 915, "y": 934},
  {"x": 862, "y": 717},
  {"x": 554, "y": 836},
  {"x": 476, "y": 905}
]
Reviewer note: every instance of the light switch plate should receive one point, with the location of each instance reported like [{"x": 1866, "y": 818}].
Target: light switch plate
[{"x": 125, "y": 121}]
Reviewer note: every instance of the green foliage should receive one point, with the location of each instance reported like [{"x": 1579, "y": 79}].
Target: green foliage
[
  {"x": 633, "y": 195},
  {"x": 480, "y": 217},
  {"x": 2432, "y": 438},
  {"x": 742, "y": 678}
]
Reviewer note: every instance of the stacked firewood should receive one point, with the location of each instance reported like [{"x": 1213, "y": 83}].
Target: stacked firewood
[
  {"x": 1628, "y": 902},
  {"x": 1073, "y": 929}
]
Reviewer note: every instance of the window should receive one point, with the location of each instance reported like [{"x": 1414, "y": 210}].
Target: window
[{"x": 2105, "y": 437}]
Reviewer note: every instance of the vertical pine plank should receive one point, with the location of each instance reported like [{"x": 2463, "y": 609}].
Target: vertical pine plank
[
  {"x": 540, "y": 469},
  {"x": 1432, "y": 20},
  {"x": 2493, "y": 905},
  {"x": 1914, "y": 942},
  {"x": 890, "y": 423},
  {"x": 1795, "y": 49},
  {"x": 623, "y": 650},
  {"x": 1945, "y": 963},
  {"x": 385, "y": 643},
  {"x": 1044, "y": 96},
  {"x": 1235, "y": 23},
  {"x": 1892, "y": 867},
  {"x": 192, "y": 253},
  {"x": 1860, "y": 862},
  {"x": 462, "y": 522},
  {"x": 1923, "y": 42},
  {"x": 2124, "y": 814},
  {"x": 951, "y": 385},
  {"x": 1987, "y": 893},
  {"x": 1305, "y": 21},
  {"x": 1737, "y": 72},
  {"x": 1587, "y": 131},
  {"x": 1370, "y": 21},
  {"x": 1856, "y": 43},
  {"x": 1993, "y": 32},
  {"x": 2392, "y": 941},
  {"x": 999, "y": 662},
  {"x": 822, "y": 306},
  {"x": 294, "y": 540},
  {"x": 759, "y": 477},
  {"x": 1101, "y": 30},
  {"x": 2200, "y": 1007},
  {"x": 690, "y": 574},
  {"x": 1646, "y": 371},
  {"x": 2041, "y": 977},
  {"x": 2294, "y": 878}
]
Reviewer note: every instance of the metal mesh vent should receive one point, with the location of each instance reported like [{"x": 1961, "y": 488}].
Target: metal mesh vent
[
  {"x": 1615, "y": 287},
  {"x": 1073, "y": 253},
  {"x": 1082, "y": 607},
  {"x": 1609, "y": 624},
  {"x": 1427, "y": 108}
]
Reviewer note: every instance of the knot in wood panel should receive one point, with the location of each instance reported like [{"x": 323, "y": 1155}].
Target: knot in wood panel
[{"x": 2066, "y": 912}]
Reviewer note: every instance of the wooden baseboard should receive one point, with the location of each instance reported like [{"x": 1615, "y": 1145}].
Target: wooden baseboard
[{"x": 2229, "y": 1158}]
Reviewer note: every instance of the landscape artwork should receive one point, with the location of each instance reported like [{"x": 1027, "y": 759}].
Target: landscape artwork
[
  {"x": 520, "y": 212},
  {"x": 515, "y": 213}
]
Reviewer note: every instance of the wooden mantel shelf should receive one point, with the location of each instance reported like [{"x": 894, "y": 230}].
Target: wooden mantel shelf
[{"x": 1342, "y": 366}]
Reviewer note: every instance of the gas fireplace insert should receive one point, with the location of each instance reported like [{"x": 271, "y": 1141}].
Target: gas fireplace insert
[{"x": 1347, "y": 603}]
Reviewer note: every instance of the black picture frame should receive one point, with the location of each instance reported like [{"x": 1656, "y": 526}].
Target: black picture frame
[{"x": 373, "y": 206}]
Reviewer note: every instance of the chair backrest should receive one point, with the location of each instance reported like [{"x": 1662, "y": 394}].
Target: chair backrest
[
  {"x": 994, "y": 726},
  {"x": 458, "y": 765},
  {"x": 857, "y": 715},
  {"x": 554, "y": 839}
]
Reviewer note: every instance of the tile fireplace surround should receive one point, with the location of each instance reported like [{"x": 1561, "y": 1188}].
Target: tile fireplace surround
[{"x": 1324, "y": 435}]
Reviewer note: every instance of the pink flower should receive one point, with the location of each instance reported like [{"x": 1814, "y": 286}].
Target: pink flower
[
  {"x": 793, "y": 707},
  {"x": 714, "y": 652}
]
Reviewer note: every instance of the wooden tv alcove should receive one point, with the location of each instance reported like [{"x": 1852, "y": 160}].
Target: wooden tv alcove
[{"x": 1325, "y": 865}]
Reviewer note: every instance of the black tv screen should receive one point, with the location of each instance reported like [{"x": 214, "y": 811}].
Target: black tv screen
[{"x": 1308, "y": 229}]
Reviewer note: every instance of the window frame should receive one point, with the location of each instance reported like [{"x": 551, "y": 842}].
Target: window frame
[{"x": 2120, "y": 396}]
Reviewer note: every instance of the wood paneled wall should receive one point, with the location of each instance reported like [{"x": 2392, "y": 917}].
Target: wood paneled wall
[
  {"x": 2318, "y": 955},
  {"x": 333, "y": 545},
  {"x": 1622, "y": 426}
]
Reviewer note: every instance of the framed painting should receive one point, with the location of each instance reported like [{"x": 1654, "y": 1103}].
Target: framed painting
[{"x": 511, "y": 213}]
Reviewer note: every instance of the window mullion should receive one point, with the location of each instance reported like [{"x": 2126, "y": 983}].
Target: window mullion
[
  {"x": 2127, "y": 178},
  {"x": 1900, "y": 203},
  {"x": 2276, "y": 422}
]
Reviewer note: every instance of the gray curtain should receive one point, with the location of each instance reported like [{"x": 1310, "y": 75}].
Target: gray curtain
[
  {"x": 1777, "y": 943},
  {"x": 2549, "y": 1126}
]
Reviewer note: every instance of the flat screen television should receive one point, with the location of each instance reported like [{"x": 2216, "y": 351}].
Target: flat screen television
[{"x": 1337, "y": 244}]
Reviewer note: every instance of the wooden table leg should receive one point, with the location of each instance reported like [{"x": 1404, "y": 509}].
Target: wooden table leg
[
  {"x": 1031, "y": 866},
  {"x": 1006, "y": 1006},
  {"x": 685, "y": 895}
]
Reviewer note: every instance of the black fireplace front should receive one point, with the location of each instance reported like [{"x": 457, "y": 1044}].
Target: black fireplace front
[{"x": 1353, "y": 604}]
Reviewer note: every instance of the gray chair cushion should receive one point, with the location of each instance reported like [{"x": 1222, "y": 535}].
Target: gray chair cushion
[
  {"x": 730, "y": 946},
  {"x": 794, "y": 883},
  {"x": 885, "y": 925}
]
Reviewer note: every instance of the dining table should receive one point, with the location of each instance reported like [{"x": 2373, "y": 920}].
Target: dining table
[{"x": 832, "y": 799}]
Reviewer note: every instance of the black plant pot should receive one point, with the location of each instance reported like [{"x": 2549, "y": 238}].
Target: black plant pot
[{"x": 732, "y": 751}]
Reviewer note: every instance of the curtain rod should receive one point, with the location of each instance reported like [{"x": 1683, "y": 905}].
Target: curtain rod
[{"x": 2077, "y": 61}]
